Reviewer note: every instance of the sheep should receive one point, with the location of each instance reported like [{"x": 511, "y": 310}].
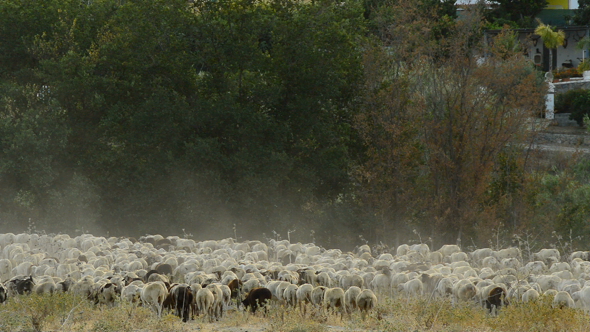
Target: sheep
[
  {"x": 153, "y": 295},
  {"x": 317, "y": 295},
  {"x": 20, "y": 285},
  {"x": 3, "y": 294},
  {"x": 366, "y": 301},
  {"x": 45, "y": 287},
  {"x": 250, "y": 285},
  {"x": 398, "y": 279},
  {"x": 226, "y": 295},
  {"x": 218, "y": 301},
  {"x": 583, "y": 298},
  {"x": 183, "y": 298},
  {"x": 530, "y": 295},
  {"x": 496, "y": 298},
  {"x": 412, "y": 288},
  {"x": 290, "y": 295},
  {"x": 479, "y": 254},
  {"x": 107, "y": 294},
  {"x": 535, "y": 267},
  {"x": 559, "y": 266},
  {"x": 444, "y": 288},
  {"x": 448, "y": 249},
  {"x": 459, "y": 257},
  {"x": 131, "y": 293},
  {"x": 563, "y": 299},
  {"x": 323, "y": 279},
  {"x": 351, "y": 280},
  {"x": 350, "y": 299},
  {"x": 490, "y": 262},
  {"x": 463, "y": 290},
  {"x": 547, "y": 256},
  {"x": 307, "y": 276},
  {"x": 381, "y": 282},
  {"x": 304, "y": 296},
  {"x": 258, "y": 297},
  {"x": 83, "y": 287},
  {"x": 511, "y": 252},
  {"x": 402, "y": 250},
  {"x": 204, "y": 302},
  {"x": 334, "y": 298},
  {"x": 235, "y": 287}
]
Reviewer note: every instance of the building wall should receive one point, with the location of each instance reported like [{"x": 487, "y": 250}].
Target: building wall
[
  {"x": 558, "y": 4},
  {"x": 562, "y": 4}
]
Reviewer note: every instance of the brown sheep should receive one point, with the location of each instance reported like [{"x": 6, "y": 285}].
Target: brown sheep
[
  {"x": 496, "y": 299},
  {"x": 258, "y": 297}
]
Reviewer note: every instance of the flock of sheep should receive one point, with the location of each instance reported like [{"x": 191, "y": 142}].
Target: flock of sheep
[{"x": 193, "y": 278}]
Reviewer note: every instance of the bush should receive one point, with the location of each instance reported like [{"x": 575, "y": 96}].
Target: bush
[
  {"x": 564, "y": 101},
  {"x": 580, "y": 106},
  {"x": 566, "y": 73},
  {"x": 584, "y": 65}
]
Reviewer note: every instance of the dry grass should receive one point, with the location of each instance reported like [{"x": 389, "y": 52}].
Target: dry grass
[{"x": 65, "y": 313}]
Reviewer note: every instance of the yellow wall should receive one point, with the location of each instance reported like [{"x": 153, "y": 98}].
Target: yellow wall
[{"x": 558, "y": 4}]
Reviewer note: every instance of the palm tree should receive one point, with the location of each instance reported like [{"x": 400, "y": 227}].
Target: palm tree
[{"x": 551, "y": 39}]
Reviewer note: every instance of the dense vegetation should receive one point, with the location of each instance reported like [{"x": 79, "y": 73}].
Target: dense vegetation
[{"x": 325, "y": 120}]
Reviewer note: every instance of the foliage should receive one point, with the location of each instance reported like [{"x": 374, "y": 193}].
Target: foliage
[
  {"x": 566, "y": 73},
  {"x": 119, "y": 115},
  {"x": 564, "y": 101},
  {"x": 584, "y": 66},
  {"x": 559, "y": 202},
  {"x": 436, "y": 125},
  {"x": 580, "y": 106},
  {"x": 517, "y": 14},
  {"x": 582, "y": 14},
  {"x": 552, "y": 39}
]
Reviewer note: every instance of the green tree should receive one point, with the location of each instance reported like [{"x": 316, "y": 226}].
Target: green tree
[
  {"x": 521, "y": 12},
  {"x": 582, "y": 14}
]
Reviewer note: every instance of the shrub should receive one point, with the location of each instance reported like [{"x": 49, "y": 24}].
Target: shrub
[
  {"x": 564, "y": 101},
  {"x": 566, "y": 73},
  {"x": 584, "y": 65},
  {"x": 580, "y": 106}
]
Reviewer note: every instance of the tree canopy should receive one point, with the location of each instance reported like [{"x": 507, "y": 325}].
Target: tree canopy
[{"x": 332, "y": 121}]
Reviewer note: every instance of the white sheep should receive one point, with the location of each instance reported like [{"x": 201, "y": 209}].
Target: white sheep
[
  {"x": 512, "y": 252},
  {"x": 350, "y": 299},
  {"x": 563, "y": 299},
  {"x": 530, "y": 295},
  {"x": 412, "y": 288},
  {"x": 366, "y": 301},
  {"x": 463, "y": 290},
  {"x": 205, "y": 302},
  {"x": 317, "y": 295},
  {"x": 334, "y": 299},
  {"x": 304, "y": 296},
  {"x": 131, "y": 293},
  {"x": 583, "y": 298},
  {"x": 459, "y": 257},
  {"x": 218, "y": 299},
  {"x": 108, "y": 293},
  {"x": 548, "y": 255},
  {"x": 444, "y": 288},
  {"x": 290, "y": 295},
  {"x": 448, "y": 249},
  {"x": 351, "y": 280},
  {"x": 153, "y": 295}
]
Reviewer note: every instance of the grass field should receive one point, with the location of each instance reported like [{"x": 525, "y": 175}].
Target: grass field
[{"x": 63, "y": 312}]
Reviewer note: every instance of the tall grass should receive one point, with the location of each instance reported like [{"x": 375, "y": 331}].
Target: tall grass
[{"x": 64, "y": 312}]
